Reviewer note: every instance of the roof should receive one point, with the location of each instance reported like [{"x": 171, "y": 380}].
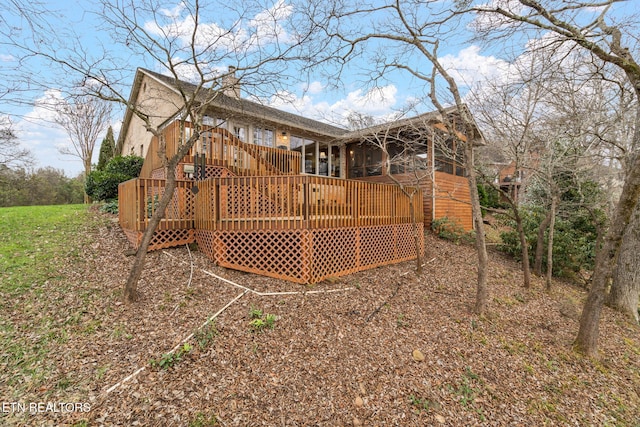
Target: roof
[
  {"x": 263, "y": 112},
  {"x": 255, "y": 109},
  {"x": 426, "y": 118}
]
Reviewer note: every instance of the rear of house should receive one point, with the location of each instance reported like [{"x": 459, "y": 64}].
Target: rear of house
[{"x": 260, "y": 181}]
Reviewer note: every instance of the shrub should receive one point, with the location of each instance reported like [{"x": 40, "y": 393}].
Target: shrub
[
  {"x": 573, "y": 243},
  {"x": 126, "y": 165},
  {"x": 110, "y": 207},
  {"x": 489, "y": 198},
  {"x": 449, "y": 229},
  {"x": 103, "y": 185}
]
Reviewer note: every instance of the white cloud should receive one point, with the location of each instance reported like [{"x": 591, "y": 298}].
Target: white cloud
[
  {"x": 267, "y": 27},
  {"x": 6, "y": 58},
  {"x": 38, "y": 132},
  {"x": 377, "y": 102},
  {"x": 263, "y": 29},
  {"x": 468, "y": 66},
  {"x": 315, "y": 88},
  {"x": 175, "y": 12},
  {"x": 46, "y": 107}
]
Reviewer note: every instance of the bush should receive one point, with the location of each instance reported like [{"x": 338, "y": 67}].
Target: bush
[
  {"x": 103, "y": 185},
  {"x": 489, "y": 198},
  {"x": 449, "y": 229},
  {"x": 110, "y": 207},
  {"x": 573, "y": 243},
  {"x": 126, "y": 165}
]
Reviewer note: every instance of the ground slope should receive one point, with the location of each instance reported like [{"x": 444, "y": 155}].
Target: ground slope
[{"x": 341, "y": 357}]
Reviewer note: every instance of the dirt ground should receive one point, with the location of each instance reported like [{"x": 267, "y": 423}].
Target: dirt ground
[{"x": 377, "y": 348}]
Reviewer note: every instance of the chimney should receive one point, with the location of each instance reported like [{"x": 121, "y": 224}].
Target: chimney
[{"x": 231, "y": 84}]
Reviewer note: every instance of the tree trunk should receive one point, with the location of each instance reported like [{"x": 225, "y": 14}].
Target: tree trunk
[
  {"x": 537, "y": 263},
  {"x": 131, "y": 287},
  {"x": 524, "y": 248},
  {"x": 482, "y": 290},
  {"x": 87, "y": 171},
  {"x": 587, "y": 339},
  {"x": 552, "y": 226},
  {"x": 626, "y": 277}
]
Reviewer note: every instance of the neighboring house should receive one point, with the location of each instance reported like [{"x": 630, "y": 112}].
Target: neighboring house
[
  {"x": 508, "y": 179},
  {"x": 333, "y": 182}
]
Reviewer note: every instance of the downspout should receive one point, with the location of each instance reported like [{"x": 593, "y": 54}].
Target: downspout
[{"x": 433, "y": 177}]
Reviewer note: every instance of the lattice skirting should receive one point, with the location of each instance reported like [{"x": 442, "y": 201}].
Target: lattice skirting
[
  {"x": 162, "y": 239},
  {"x": 211, "y": 171},
  {"x": 310, "y": 256}
]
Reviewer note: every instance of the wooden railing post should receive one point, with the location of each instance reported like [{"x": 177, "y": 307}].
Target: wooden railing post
[
  {"x": 141, "y": 206},
  {"x": 356, "y": 204},
  {"x": 305, "y": 202}
]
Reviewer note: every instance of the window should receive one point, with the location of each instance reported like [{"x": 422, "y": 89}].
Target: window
[
  {"x": 449, "y": 155},
  {"x": 364, "y": 160},
  {"x": 323, "y": 159},
  {"x": 257, "y": 136},
  {"x": 406, "y": 157},
  {"x": 240, "y": 133},
  {"x": 317, "y": 158},
  {"x": 309, "y": 156},
  {"x": 334, "y": 162},
  {"x": 296, "y": 143},
  {"x": 263, "y": 137},
  {"x": 268, "y": 137}
]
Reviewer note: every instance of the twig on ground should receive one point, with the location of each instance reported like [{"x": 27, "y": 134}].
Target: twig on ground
[{"x": 377, "y": 310}]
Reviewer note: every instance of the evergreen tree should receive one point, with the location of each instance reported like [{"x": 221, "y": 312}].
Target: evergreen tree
[{"x": 107, "y": 149}]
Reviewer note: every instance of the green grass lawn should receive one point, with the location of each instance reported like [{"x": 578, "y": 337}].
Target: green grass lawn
[
  {"x": 37, "y": 246},
  {"x": 31, "y": 239}
]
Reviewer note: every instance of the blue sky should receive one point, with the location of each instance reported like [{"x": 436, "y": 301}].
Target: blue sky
[{"x": 468, "y": 62}]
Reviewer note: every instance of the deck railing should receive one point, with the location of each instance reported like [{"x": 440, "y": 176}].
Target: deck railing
[
  {"x": 138, "y": 199},
  {"x": 267, "y": 202},
  {"x": 221, "y": 148},
  {"x": 299, "y": 228},
  {"x": 295, "y": 202}
]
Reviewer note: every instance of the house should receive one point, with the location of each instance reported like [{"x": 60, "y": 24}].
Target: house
[
  {"x": 509, "y": 179},
  {"x": 284, "y": 195}
]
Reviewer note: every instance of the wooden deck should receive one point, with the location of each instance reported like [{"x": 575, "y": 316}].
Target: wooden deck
[
  {"x": 252, "y": 213},
  {"x": 221, "y": 148}
]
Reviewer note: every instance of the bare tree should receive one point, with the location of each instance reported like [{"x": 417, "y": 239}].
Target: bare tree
[
  {"x": 84, "y": 118},
  {"x": 552, "y": 228},
  {"x": 405, "y": 161},
  {"x": 608, "y": 41},
  {"x": 624, "y": 293},
  {"x": 548, "y": 118},
  {"x": 510, "y": 114},
  {"x": 397, "y": 36},
  {"x": 256, "y": 56},
  {"x": 12, "y": 154},
  {"x": 625, "y": 289},
  {"x": 210, "y": 45},
  {"x": 19, "y": 82}
]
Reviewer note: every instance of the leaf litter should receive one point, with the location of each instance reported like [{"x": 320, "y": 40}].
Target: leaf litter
[{"x": 388, "y": 348}]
